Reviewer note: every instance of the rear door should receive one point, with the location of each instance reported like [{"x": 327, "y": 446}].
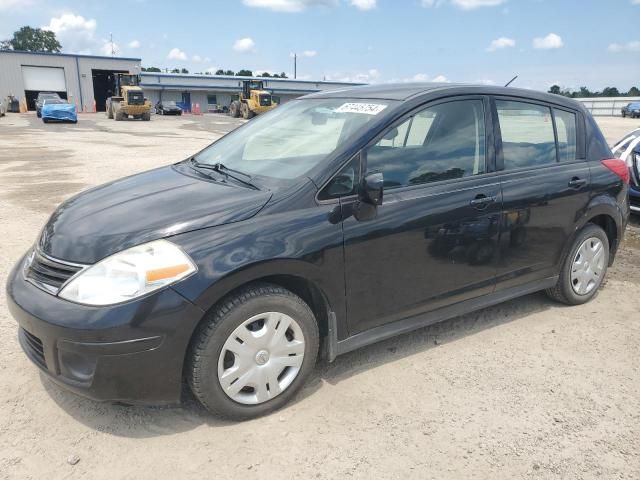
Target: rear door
[
  {"x": 545, "y": 186},
  {"x": 434, "y": 239}
]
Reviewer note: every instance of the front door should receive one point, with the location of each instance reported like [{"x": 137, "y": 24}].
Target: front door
[
  {"x": 186, "y": 101},
  {"x": 434, "y": 239},
  {"x": 545, "y": 186}
]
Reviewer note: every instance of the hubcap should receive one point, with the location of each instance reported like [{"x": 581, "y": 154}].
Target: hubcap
[
  {"x": 587, "y": 267},
  {"x": 261, "y": 358}
]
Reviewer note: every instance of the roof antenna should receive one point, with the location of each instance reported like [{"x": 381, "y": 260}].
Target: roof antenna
[{"x": 511, "y": 81}]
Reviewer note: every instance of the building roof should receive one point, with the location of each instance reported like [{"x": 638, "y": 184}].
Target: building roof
[
  {"x": 24, "y": 52},
  {"x": 234, "y": 77}
]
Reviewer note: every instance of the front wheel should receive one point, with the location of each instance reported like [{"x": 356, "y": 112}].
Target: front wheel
[
  {"x": 584, "y": 267},
  {"x": 253, "y": 353}
]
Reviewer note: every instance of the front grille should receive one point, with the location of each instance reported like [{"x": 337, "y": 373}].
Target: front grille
[
  {"x": 49, "y": 274},
  {"x": 265, "y": 100},
  {"x": 136, "y": 98},
  {"x": 33, "y": 346}
]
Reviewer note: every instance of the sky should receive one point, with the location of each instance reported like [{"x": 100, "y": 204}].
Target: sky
[{"x": 571, "y": 43}]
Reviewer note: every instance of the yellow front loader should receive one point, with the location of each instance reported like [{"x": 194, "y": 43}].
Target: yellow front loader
[
  {"x": 252, "y": 101},
  {"x": 128, "y": 99}
]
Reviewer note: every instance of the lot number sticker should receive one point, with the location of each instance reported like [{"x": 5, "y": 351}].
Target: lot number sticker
[{"x": 368, "y": 108}]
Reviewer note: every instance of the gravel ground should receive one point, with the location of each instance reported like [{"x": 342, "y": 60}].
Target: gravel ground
[{"x": 527, "y": 389}]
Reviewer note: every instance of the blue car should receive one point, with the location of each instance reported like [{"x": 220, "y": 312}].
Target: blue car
[
  {"x": 58, "y": 110},
  {"x": 628, "y": 149}
]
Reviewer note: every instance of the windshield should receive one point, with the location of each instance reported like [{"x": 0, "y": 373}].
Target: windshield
[
  {"x": 291, "y": 139},
  {"x": 170, "y": 103},
  {"x": 49, "y": 101}
]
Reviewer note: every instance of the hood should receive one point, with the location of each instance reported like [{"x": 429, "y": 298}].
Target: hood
[{"x": 144, "y": 207}]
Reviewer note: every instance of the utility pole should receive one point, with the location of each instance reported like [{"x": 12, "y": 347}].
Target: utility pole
[
  {"x": 295, "y": 66},
  {"x": 113, "y": 51}
]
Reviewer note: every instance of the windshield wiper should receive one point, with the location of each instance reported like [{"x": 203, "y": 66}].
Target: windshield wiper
[{"x": 224, "y": 170}]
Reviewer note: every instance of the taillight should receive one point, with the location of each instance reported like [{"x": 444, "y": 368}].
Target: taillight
[{"x": 618, "y": 167}]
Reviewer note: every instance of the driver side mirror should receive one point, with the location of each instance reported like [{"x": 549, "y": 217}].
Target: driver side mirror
[{"x": 372, "y": 188}]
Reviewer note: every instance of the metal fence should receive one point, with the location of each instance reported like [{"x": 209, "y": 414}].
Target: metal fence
[{"x": 607, "y": 106}]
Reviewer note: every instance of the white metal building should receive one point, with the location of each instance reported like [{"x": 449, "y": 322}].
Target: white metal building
[
  {"x": 85, "y": 79},
  {"x": 79, "y": 78},
  {"x": 207, "y": 91}
]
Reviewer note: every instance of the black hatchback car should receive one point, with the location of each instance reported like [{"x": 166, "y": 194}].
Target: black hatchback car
[{"x": 335, "y": 221}]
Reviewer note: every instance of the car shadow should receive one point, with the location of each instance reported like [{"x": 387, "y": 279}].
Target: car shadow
[{"x": 142, "y": 421}]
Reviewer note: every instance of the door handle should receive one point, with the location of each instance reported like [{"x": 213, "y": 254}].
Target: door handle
[
  {"x": 482, "y": 200},
  {"x": 576, "y": 182}
]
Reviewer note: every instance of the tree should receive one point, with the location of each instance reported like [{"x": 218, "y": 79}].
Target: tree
[
  {"x": 32, "y": 40},
  {"x": 175, "y": 70},
  {"x": 610, "y": 92},
  {"x": 633, "y": 92},
  {"x": 184, "y": 70},
  {"x": 244, "y": 73},
  {"x": 555, "y": 89},
  {"x": 283, "y": 75},
  {"x": 265, "y": 75},
  {"x": 151, "y": 69},
  {"x": 219, "y": 72}
]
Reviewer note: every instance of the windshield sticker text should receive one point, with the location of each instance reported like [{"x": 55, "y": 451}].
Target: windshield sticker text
[{"x": 367, "y": 108}]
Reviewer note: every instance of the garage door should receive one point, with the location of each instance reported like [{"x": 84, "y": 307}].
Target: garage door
[{"x": 44, "y": 79}]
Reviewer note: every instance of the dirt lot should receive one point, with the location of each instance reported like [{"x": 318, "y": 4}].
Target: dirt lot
[{"x": 527, "y": 389}]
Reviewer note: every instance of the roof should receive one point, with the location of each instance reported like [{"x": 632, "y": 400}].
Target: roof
[
  {"x": 405, "y": 91},
  {"x": 24, "y": 52}
]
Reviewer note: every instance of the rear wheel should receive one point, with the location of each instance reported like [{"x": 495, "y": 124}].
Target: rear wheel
[
  {"x": 244, "y": 110},
  {"x": 624, "y": 114},
  {"x": 109, "y": 111},
  {"x": 119, "y": 115},
  {"x": 584, "y": 268},
  {"x": 253, "y": 353},
  {"x": 146, "y": 116}
]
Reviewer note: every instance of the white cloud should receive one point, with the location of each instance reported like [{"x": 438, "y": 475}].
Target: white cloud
[
  {"x": 364, "y": 4},
  {"x": 473, "y": 4},
  {"x": 289, "y": 5},
  {"x": 14, "y": 4},
  {"x": 550, "y": 41},
  {"x": 134, "y": 44},
  {"x": 244, "y": 45},
  {"x": 423, "y": 77},
  {"x": 74, "y": 32},
  {"x": 463, "y": 4},
  {"x": 196, "y": 58},
  {"x": 177, "y": 54},
  {"x": 370, "y": 76},
  {"x": 635, "y": 2},
  {"x": 309, "y": 53},
  {"x": 502, "y": 42},
  {"x": 633, "y": 46}
]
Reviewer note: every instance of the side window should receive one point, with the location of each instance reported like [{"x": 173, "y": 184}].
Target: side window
[
  {"x": 344, "y": 182},
  {"x": 438, "y": 143},
  {"x": 527, "y": 134},
  {"x": 566, "y": 129}
]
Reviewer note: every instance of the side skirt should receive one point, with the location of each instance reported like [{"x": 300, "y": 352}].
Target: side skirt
[{"x": 338, "y": 347}]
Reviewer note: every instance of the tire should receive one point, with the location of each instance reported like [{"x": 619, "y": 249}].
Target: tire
[
  {"x": 146, "y": 116},
  {"x": 38, "y": 114},
  {"x": 570, "y": 289},
  {"x": 234, "y": 109},
  {"x": 45, "y": 120},
  {"x": 109, "y": 111},
  {"x": 209, "y": 353},
  {"x": 119, "y": 115},
  {"x": 244, "y": 110},
  {"x": 624, "y": 114}
]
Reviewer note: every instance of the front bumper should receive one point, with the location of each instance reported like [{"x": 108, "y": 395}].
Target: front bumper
[{"x": 132, "y": 352}]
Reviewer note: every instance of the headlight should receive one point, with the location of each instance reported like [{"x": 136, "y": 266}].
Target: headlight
[{"x": 129, "y": 274}]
